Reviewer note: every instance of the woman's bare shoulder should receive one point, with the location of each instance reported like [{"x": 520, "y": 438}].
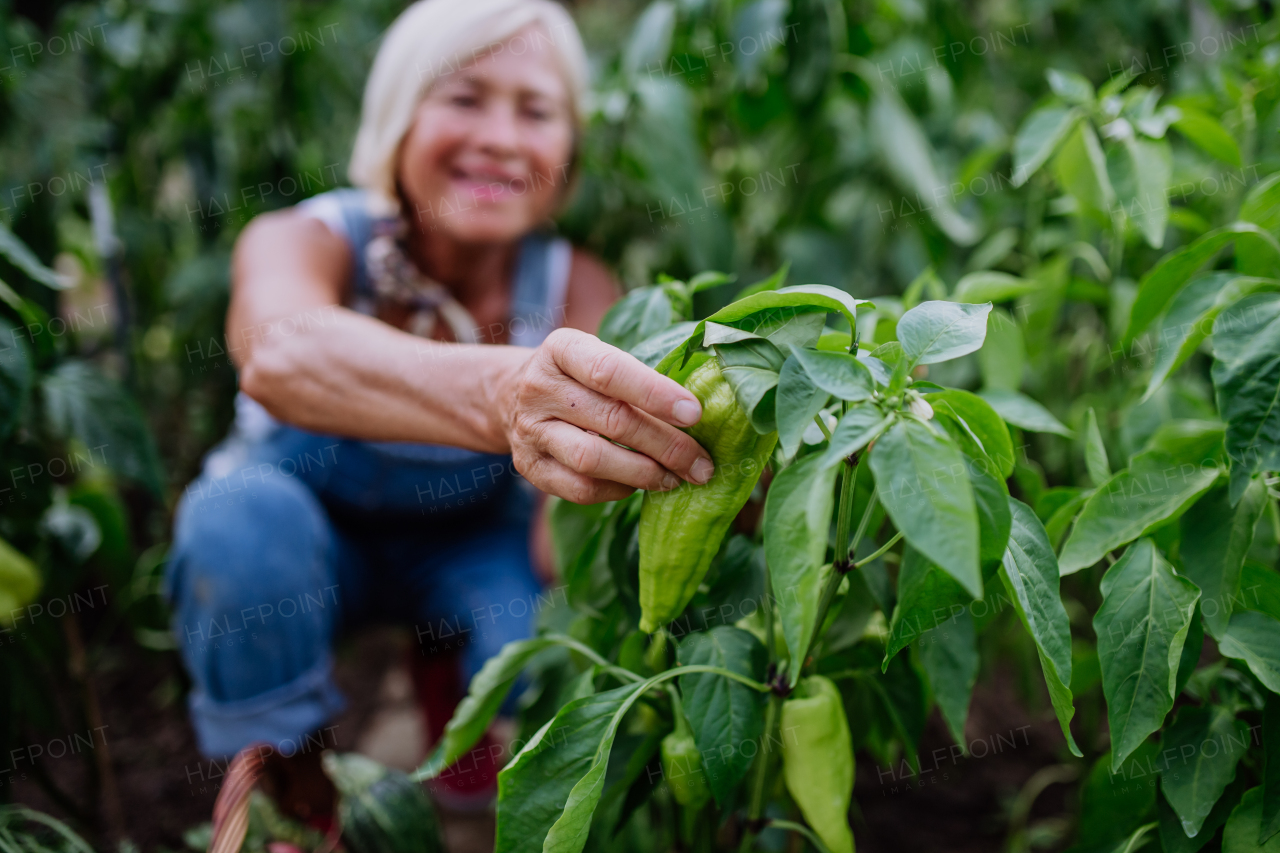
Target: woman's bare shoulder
[
  {"x": 592, "y": 289},
  {"x": 291, "y": 231},
  {"x": 285, "y": 261}
]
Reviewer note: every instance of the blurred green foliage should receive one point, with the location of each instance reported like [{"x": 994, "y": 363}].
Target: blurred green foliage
[{"x": 881, "y": 146}]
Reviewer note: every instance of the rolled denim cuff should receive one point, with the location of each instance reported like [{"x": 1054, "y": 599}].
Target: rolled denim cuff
[{"x": 281, "y": 716}]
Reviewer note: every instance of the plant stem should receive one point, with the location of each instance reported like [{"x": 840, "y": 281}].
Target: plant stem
[
  {"x": 761, "y": 777},
  {"x": 880, "y": 551},
  {"x": 817, "y": 419},
  {"x": 768, "y": 615},
  {"x": 865, "y": 520},
  {"x": 591, "y": 654},
  {"x": 848, "y": 485},
  {"x": 801, "y": 829}
]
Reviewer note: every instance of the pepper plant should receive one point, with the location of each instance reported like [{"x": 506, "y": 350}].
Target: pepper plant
[{"x": 888, "y": 515}]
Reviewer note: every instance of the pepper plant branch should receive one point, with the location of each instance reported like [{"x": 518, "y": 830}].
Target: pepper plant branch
[
  {"x": 801, "y": 829},
  {"x": 768, "y": 616},
  {"x": 593, "y": 656},
  {"x": 872, "y": 501},
  {"x": 879, "y": 552},
  {"x": 848, "y": 485},
  {"x": 713, "y": 670},
  {"x": 817, "y": 419},
  {"x": 756, "y": 807}
]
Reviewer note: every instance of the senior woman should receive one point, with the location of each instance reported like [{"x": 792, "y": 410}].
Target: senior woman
[{"x": 413, "y": 353}]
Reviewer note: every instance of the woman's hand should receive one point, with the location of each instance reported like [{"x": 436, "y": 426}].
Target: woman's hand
[{"x": 563, "y": 405}]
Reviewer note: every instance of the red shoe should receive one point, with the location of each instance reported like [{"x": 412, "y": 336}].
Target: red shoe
[{"x": 470, "y": 784}]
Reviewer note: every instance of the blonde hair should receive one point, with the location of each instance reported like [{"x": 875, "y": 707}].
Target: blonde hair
[{"x": 433, "y": 38}]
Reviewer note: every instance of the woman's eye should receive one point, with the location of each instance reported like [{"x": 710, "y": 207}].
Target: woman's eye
[{"x": 464, "y": 100}]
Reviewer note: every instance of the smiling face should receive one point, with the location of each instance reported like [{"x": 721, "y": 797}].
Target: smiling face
[{"x": 488, "y": 155}]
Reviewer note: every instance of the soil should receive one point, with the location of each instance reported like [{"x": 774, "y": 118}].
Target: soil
[{"x": 956, "y": 803}]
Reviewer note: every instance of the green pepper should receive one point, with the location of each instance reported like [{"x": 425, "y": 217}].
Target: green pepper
[
  {"x": 680, "y": 530},
  {"x": 817, "y": 760},
  {"x": 682, "y": 765}
]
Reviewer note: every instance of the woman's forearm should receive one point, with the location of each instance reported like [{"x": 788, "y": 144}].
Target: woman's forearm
[{"x": 343, "y": 373}]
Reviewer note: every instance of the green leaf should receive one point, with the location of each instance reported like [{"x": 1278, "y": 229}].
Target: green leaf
[
  {"x": 1029, "y": 571},
  {"x": 1114, "y": 803},
  {"x": 837, "y": 373},
  {"x": 16, "y": 374},
  {"x": 922, "y": 485},
  {"x": 1154, "y": 490},
  {"x": 1174, "y": 840},
  {"x": 548, "y": 793},
  {"x": 786, "y": 303},
  {"x": 1261, "y": 206},
  {"x": 789, "y": 327},
  {"x": 1070, "y": 86},
  {"x": 1259, "y": 589},
  {"x": 661, "y": 137},
  {"x": 654, "y": 349},
  {"x": 1081, "y": 169},
  {"x": 751, "y": 369},
  {"x": 1246, "y": 379},
  {"x": 489, "y": 687},
  {"x": 980, "y": 431},
  {"x": 949, "y": 655},
  {"x": 1141, "y": 627},
  {"x": 708, "y": 280},
  {"x": 991, "y": 497},
  {"x": 1187, "y": 440},
  {"x": 1022, "y": 411},
  {"x": 798, "y": 400},
  {"x": 1199, "y": 755},
  {"x": 797, "y": 296},
  {"x": 797, "y": 521},
  {"x": 17, "y": 253},
  {"x": 1205, "y": 132},
  {"x": 715, "y": 333},
  {"x": 724, "y": 714},
  {"x": 650, "y": 41},
  {"x": 857, "y": 428},
  {"x": 991, "y": 286},
  {"x": 1191, "y": 316},
  {"x": 20, "y": 582},
  {"x": 1056, "y": 524},
  {"x": 927, "y": 597},
  {"x": 1095, "y": 452},
  {"x": 81, "y": 403},
  {"x": 1254, "y": 638},
  {"x": 1039, "y": 137},
  {"x": 636, "y": 317},
  {"x": 905, "y": 150},
  {"x": 1163, "y": 281},
  {"x": 1270, "y": 819},
  {"x": 1003, "y": 356},
  {"x": 1244, "y": 827},
  {"x": 1152, "y": 164},
  {"x": 1215, "y": 539},
  {"x": 940, "y": 331}
]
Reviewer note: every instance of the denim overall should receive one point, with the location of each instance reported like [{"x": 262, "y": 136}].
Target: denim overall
[{"x": 287, "y": 537}]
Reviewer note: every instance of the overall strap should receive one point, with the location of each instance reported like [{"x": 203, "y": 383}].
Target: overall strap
[
  {"x": 538, "y": 292},
  {"x": 347, "y": 211}
]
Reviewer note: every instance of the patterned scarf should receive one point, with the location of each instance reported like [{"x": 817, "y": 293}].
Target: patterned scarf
[{"x": 397, "y": 281}]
